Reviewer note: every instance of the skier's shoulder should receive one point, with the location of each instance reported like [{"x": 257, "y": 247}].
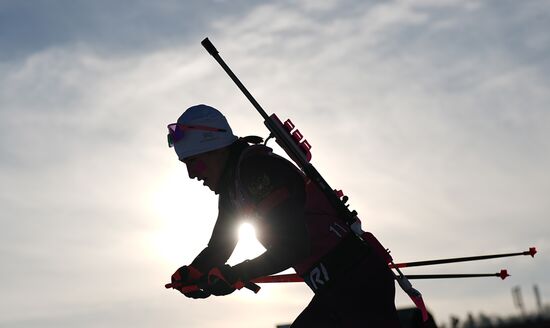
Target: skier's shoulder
[{"x": 260, "y": 160}]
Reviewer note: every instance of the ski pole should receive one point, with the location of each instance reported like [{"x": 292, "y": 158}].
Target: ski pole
[
  {"x": 532, "y": 251},
  {"x": 295, "y": 278},
  {"x": 503, "y": 274},
  {"x": 193, "y": 288},
  {"x": 292, "y": 277}
]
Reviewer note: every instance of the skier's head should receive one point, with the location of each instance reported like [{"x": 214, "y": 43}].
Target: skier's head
[
  {"x": 200, "y": 138},
  {"x": 199, "y": 129}
]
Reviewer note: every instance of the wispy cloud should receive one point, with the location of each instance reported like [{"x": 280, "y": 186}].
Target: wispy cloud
[{"x": 430, "y": 114}]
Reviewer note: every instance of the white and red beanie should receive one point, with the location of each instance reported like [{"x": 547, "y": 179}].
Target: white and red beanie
[{"x": 197, "y": 141}]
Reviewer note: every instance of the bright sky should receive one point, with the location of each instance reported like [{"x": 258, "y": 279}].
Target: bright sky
[{"x": 432, "y": 115}]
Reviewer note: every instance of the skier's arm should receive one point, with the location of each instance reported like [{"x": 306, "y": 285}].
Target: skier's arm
[
  {"x": 277, "y": 191},
  {"x": 221, "y": 244}
]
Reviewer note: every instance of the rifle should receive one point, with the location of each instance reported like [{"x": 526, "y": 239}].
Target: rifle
[
  {"x": 291, "y": 141},
  {"x": 294, "y": 144}
]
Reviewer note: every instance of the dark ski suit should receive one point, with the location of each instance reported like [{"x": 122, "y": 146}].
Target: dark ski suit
[{"x": 298, "y": 227}]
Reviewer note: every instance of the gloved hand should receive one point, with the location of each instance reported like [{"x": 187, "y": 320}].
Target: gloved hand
[
  {"x": 188, "y": 275},
  {"x": 223, "y": 281}
]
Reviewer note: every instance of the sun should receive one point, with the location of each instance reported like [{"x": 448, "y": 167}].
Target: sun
[
  {"x": 248, "y": 246},
  {"x": 183, "y": 227}
]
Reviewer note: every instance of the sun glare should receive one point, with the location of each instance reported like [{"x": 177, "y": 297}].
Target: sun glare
[
  {"x": 248, "y": 246},
  {"x": 185, "y": 216}
]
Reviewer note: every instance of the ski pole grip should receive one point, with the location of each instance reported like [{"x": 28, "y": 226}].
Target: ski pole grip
[
  {"x": 209, "y": 47},
  {"x": 252, "y": 286}
]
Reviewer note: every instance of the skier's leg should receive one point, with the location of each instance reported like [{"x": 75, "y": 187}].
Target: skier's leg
[
  {"x": 315, "y": 315},
  {"x": 366, "y": 299}
]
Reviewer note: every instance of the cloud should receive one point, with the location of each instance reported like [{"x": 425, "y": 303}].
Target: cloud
[
  {"x": 436, "y": 109},
  {"x": 123, "y": 27},
  {"x": 431, "y": 115}
]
